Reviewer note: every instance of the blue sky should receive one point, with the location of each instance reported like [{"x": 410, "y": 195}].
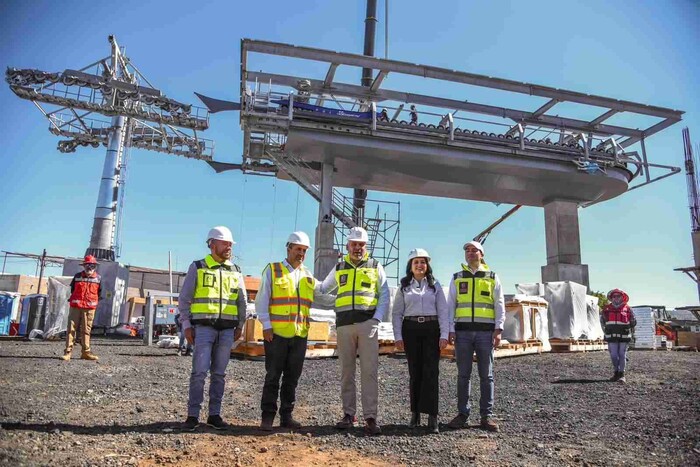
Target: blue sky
[{"x": 642, "y": 51}]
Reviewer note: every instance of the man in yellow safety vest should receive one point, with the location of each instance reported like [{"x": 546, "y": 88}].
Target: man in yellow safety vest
[
  {"x": 476, "y": 312},
  {"x": 212, "y": 306},
  {"x": 361, "y": 303},
  {"x": 282, "y": 304}
]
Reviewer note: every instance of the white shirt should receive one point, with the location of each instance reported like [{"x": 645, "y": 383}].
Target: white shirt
[
  {"x": 419, "y": 299},
  {"x": 499, "y": 303}
]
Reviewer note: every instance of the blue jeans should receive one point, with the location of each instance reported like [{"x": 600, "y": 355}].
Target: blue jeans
[
  {"x": 618, "y": 355},
  {"x": 466, "y": 343},
  {"x": 212, "y": 351}
]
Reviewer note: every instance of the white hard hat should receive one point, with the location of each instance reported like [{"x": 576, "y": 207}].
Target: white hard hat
[
  {"x": 418, "y": 253},
  {"x": 299, "y": 238},
  {"x": 476, "y": 245},
  {"x": 357, "y": 234},
  {"x": 220, "y": 233}
]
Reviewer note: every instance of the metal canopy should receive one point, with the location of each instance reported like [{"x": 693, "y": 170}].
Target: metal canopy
[
  {"x": 488, "y": 152},
  {"x": 385, "y": 66}
]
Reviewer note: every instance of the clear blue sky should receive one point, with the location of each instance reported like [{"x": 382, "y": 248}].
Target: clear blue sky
[{"x": 642, "y": 51}]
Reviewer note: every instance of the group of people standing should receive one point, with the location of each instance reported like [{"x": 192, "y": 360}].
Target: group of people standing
[{"x": 212, "y": 314}]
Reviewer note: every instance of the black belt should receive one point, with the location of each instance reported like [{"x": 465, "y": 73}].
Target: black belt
[{"x": 421, "y": 319}]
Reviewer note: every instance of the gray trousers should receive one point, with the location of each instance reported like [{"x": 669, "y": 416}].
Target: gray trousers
[{"x": 359, "y": 339}]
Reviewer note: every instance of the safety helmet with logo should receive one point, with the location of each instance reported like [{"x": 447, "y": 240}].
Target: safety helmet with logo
[
  {"x": 357, "y": 234},
  {"x": 89, "y": 259},
  {"x": 299, "y": 238},
  {"x": 220, "y": 233},
  {"x": 418, "y": 253},
  {"x": 476, "y": 245}
]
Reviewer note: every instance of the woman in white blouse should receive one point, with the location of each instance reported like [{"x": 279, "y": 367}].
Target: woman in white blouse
[{"x": 421, "y": 330}]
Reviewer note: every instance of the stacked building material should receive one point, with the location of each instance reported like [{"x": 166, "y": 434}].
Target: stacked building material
[{"x": 645, "y": 331}]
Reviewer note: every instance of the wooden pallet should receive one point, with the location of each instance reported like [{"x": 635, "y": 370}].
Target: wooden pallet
[
  {"x": 315, "y": 349},
  {"x": 511, "y": 349},
  {"x": 577, "y": 345}
]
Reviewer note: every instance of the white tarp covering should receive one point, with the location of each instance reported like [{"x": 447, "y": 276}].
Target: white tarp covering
[
  {"x": 57, "y": 308},
  {"x": 568, "y": 309},
  {"x": 595, "y": 329}
]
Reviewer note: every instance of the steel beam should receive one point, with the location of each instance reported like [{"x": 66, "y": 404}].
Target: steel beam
[
  {"x": 385, "y": 94},
  {"x": 603, "y": 117},
  {"x": 308, "y": 53}
]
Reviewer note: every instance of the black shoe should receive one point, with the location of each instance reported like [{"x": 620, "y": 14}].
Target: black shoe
[
  {"x": 615, "y": 377},
  {"x": 190, "y": 424},
  {"x": 622, "y": 379},
  {"x": 371, "y": 427},
  {"x": 433, "y": 424},
  {"x": 348, "y": 421},
  {"x": 216, "y": 422},
  {"x": 288, "y": 422},
  {"x": 415, "y": 420},
  {"x": 266, "y": 421}
]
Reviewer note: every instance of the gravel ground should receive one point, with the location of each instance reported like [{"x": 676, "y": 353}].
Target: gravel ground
[{"x": 554, "y": 409}]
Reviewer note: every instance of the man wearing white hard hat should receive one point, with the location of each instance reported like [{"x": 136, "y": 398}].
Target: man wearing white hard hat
[
  {"x": 212, "y": 305},
  {"x": 476, "y": 311},
  {"x": 361, "y": 303},
  {"x": 283, "y": 306}
]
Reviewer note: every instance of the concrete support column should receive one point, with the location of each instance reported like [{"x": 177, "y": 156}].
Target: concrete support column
[
  {"x": 325, "y": 256},
  {"x": 563, "y": 244}
]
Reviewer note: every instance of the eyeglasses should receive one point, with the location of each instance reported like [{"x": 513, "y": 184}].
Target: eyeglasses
[{"x": 90, "y": 266}]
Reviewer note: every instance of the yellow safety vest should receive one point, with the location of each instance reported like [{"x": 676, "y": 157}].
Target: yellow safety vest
[
  {"x": 289, "y": 305},
  {"x": 475, "y": 296},
  {"x": 357, "y": 290},
  {"x": 216, "y": 292}
]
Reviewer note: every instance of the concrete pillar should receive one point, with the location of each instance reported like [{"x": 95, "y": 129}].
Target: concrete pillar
[
  {"x": 325, "y": 256},
  {"x": 563, "y": 244}
]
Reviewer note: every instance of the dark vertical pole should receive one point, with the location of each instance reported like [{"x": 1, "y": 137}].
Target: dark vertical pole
[
  {"x": 42, "y": 264},
  {"x": 360, "y": 195},
  {"x": 3, "y": 263}
]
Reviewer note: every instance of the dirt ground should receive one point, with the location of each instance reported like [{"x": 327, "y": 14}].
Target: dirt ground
[{"x": 554, "y": 409}]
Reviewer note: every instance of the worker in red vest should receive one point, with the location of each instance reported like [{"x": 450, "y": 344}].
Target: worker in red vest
[
  {"x": 85, "y": 293},
  {"x": 618, "y": 321}
]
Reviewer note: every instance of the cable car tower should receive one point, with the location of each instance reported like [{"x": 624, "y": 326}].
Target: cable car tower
[{"x": 139, "y": 115}]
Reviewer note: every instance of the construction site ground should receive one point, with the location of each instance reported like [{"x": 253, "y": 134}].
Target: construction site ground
[{"x": 554, "y": 409}]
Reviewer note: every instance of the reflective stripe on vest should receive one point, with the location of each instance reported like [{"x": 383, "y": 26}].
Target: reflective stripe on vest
[
  {"x": 289, "y": 305},
  {"x": 85, "y": 293},
  {"x": 474, "y": 296},
  {"x": 357, "y": 285},
  {"x": 216, "y": 291},
  {"x": 618, "y": 323}
]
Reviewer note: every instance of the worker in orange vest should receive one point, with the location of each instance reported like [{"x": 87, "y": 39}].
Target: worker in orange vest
[{"x": 85, "y": 293}]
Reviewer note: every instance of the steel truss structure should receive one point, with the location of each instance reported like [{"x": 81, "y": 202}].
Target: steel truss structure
[{"x": 140, "y": 116}]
